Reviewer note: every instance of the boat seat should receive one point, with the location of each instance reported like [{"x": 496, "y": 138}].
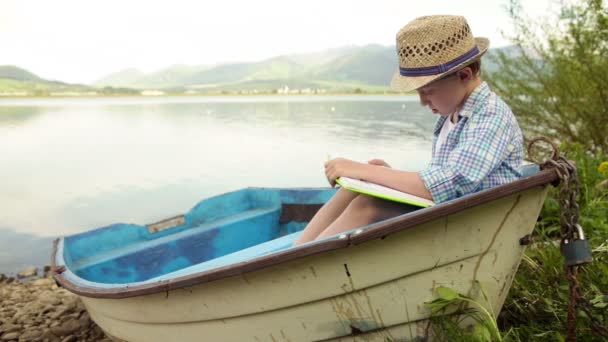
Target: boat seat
[
  {"x": 232, "y": 258},
  {"x": 141, "y": 246},
  {"x": 528, "y": 169}
]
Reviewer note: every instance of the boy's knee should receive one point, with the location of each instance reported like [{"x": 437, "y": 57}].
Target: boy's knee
[
  {"x": 347, "y": 194},
  {"x": 366, "y": 207}
]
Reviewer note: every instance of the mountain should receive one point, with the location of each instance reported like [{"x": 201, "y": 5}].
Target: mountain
[
  {"x": 368, "y": 67},
  {"x": 349, "y": 68},
  {"x": 373, "y": 64},
  {"x": 16, "y": 81},
  {"x": 121, "y": 78},
  {"x": 274, "y": 68},
  {"x": 489, "y": 61},
  {"x": 15, "y": 73},
  {"x": 134, "y": 78}
]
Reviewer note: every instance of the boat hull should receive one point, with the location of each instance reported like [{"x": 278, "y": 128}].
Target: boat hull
[{"x": 375, "y": 289}]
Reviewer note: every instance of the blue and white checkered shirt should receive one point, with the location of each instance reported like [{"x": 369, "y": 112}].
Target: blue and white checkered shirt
[{"x": 483, "y": 150}]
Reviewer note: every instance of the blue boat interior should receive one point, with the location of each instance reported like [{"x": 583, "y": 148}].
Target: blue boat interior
[{"x": 218, "y": 231}]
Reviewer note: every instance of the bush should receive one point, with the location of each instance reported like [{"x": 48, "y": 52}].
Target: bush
[{"x": 557, "y": 82}]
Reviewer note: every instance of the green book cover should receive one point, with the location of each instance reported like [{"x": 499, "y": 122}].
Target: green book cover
[{"x": 381, "y": 191}]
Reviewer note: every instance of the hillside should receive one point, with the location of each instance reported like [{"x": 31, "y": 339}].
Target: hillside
[
  {"x": 368, "y": 68},
  {"x": 347, "y": 69},
  {"x": 16, "y": 81}
]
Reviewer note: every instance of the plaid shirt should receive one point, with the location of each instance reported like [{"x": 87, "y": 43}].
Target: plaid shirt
[{"x": 483, "y": 150}]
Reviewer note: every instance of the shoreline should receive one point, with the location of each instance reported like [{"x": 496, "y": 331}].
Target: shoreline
[
  {"x": 203, "y": 95},
  {"x": 34, "y": 308}
]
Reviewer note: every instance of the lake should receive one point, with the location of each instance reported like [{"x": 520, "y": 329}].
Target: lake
[{"x": 70, "y": 165}]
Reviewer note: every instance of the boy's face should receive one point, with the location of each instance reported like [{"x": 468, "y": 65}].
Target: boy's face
[{"x": 444, "y": 95}]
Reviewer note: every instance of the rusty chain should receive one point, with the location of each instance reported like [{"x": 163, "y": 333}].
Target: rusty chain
[{"x": 569, "y": 188}]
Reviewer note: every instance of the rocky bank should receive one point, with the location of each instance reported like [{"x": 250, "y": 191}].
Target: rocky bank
[{"x": 34, "y": 308}]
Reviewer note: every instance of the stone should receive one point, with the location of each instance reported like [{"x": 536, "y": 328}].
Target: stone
[
  {"x": 49, "y": 336},
  {"x": 31, "y": 334},
  {"x": 7, "y": 328},
  {"x": 67, "y": 328},
  {"x": 71, "y": 302},
  {"x": 10, "y": 336},
  {"x": 50, "y": 298},
  {"x": 28, "y": 272},
  {"x": 61, "y": 311},
  {"x": 70, "y": 338},
  {"x": 96, "y": 333},
  {"x": 41, "y": 282},
  {"x": 26, "y": 320},
  {"x": 47, "y": 308}
]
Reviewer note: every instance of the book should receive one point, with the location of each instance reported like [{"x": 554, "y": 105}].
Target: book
[{"x": 382, "y": 191}]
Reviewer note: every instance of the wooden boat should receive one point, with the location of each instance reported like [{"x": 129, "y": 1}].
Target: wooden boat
[{"x": 227, "y": 271}]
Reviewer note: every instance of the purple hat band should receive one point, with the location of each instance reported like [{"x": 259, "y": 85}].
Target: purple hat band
[{"x": 440, "y": 68}]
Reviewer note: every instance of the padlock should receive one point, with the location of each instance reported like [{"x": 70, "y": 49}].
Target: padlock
[{"x": 577, "y": 252}]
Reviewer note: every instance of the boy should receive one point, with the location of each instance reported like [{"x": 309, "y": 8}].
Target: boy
[{"x": 477, "y": 142}]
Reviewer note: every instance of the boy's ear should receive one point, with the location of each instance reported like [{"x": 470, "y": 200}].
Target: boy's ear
[{"x": 465, "y": 73}]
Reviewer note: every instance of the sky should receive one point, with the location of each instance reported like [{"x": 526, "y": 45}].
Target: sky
[{"x": 81, "y": 41}]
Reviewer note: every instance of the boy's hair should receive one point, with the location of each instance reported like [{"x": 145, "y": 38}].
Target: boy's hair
[{"x": 475, "y": 66}]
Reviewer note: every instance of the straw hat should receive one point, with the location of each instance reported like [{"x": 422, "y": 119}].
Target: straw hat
[{"x": 431, "y": 47}]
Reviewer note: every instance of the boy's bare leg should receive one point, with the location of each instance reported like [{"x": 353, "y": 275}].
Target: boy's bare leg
[
  {"x": 365, "y": 210},
  {"x": 326, "y": 215}
]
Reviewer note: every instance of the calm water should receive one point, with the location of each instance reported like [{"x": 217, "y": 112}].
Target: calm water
[{"x": 69, "y": 165}]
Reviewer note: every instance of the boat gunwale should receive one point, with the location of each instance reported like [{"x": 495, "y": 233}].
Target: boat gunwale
[{"x": 371, "y": 232}]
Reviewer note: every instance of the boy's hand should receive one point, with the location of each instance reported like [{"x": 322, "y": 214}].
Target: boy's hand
[
  {"x": 339, "y": 167},
  {"x": 378, "y": 162}
]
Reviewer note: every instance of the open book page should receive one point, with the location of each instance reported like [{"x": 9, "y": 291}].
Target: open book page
[{"x": 382, "y": 191}]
